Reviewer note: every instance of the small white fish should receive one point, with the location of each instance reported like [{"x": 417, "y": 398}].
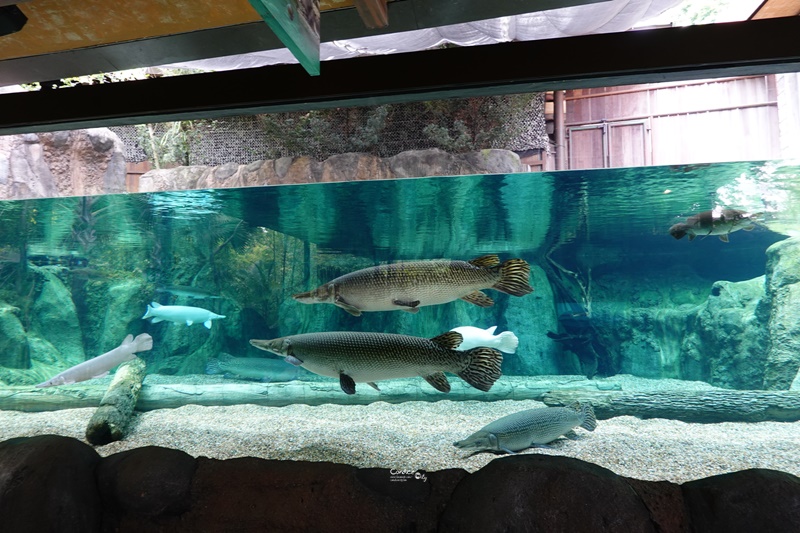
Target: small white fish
[
  {"x": 180, "y": 314},
  {"x": 100, "y": 365},
  {"x": 474, "y": 337}
]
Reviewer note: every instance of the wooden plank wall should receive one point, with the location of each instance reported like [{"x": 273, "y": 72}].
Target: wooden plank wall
[{"x": 728, "y": 119}]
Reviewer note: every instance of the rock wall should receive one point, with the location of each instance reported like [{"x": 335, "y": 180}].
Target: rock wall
[
  {"x": 740, "y": 335},
  {"x": 57, "y": 483},
  {"x": 62, "y": 163},
  {"x": 783, "y": 297},
  {"x": 342, "y": 167}
]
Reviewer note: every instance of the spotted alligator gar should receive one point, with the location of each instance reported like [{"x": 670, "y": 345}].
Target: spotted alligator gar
[
  {"x": 357, "y": 357},
  {"x": 407, "y": 286},
  {"x": 532, "y": 427}
]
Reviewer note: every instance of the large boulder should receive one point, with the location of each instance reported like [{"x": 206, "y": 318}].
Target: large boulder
[
  {"x": 530, "y": 317},
  {"x": 783, "y": 295},
  {"x": 728, "y": 340},
  {"x": 47, "y": 483},
  {"x": 13, "y": 341},
  {"x": 530, "y": 493},
  {"x": 63, "y": 163},
  {"x": 54, "y": 317},
  {"x": 645, "y": 319}
]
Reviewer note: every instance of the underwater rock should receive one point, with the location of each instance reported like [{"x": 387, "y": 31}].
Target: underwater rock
[
  {"x": 783, "y": 294},
  {"x": 340, "y": 167},
  {"x": 13, "y": 341},
  {"x": 644, "y": 319},
  {"x": 531, "y": 317},
  {"x": 114, "y": 309},
  {"x": 54, "y": 317},
  {"x": 48, "y": 484},
  {"x": 65, "y": 163},
  {"x": 728, "y": 341}
]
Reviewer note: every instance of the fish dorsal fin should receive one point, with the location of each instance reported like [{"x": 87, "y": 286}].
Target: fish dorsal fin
[
  {"x": 155, "y": 305},
  {"x": 490, "y": 330},
  {"x": 449, "y": 340},
  {"x": 128, "y": 339},
  {"x": 485, "y": 261}
]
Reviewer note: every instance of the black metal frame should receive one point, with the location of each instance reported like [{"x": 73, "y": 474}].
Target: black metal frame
[{"x": 743, "y": 48}]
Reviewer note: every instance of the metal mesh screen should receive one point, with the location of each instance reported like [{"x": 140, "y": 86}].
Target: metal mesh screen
[{"x": 512, "y": 122}]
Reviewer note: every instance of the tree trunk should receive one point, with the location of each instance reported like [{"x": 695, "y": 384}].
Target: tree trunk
[
  {"x": 689, "y": 406},
  {"x": 111, "y": 419},
  {"x": 169, "y": 396}
]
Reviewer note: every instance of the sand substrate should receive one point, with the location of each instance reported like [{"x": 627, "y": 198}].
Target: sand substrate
[{"x": 420, "y": 435}]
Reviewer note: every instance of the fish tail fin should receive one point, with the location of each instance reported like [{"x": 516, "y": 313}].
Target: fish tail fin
[
  {"x": 142, "y": 343},
  {"x": 151, "y": 306},
  {"x": 589, "y": 420},
  {"x": 483, "y": 368},
  {"x": 514, "y": 275},
  {"x": 507, "y": 342}
]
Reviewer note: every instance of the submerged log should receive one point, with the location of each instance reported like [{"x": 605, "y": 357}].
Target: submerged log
[
  {"x": 111, "y": 419},
  {"x": 172, "y": 395},
  {"x": 689, "y": 406}
]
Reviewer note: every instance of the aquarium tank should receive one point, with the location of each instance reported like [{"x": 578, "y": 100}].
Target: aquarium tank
[{"x": 657, "y": 292}]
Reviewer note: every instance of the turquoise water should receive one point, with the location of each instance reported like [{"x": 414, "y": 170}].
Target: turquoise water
[{"x": 614, "y": 292}]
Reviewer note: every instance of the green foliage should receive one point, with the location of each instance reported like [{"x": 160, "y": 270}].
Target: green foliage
[
  {"x": 262, "y": 272},
  {"x": 168, "y": 143},
  {"x": 467, "y": 124}
]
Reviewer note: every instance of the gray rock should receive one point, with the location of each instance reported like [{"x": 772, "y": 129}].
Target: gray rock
[
  {"x": 728, "y": 342},
  {"x": 64, "y": 163},
  {"x": 13, "y": 341},
  {"x": 117, "y": 313},
  {"x": 495, "y": 161},
  {"x": 54, "y": 317},
  {"x": 783, "y": 296}
]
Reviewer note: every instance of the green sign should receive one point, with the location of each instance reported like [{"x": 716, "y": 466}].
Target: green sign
[{"x": 296, "y": 23}]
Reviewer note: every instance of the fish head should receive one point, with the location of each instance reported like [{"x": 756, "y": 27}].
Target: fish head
[
  {"x": 679, "y": 230},
  {"x": 281, "y": 346},
  {"x": 479, "y": 441},
  {"x": 322, "y": 294}
]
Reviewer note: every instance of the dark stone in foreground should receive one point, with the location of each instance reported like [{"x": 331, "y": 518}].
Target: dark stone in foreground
[
  {"x": 545, "y": 493},
  {"x": 750, "y": 500},
  {"x": 47, "y": 484},
  {"x": 53, "y": 483}
]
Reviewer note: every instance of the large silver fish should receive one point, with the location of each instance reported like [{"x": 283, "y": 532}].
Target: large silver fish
[
  {"x": 356, "y": 357},
  {"x": 410, "y": 285},
  {"x": 257, "y": 368},
  {"x": 718, "y": 221},
  {"x": 529, "y": 428}
]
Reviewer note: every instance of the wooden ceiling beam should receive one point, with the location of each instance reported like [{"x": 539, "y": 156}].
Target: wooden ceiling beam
[{"x": 669, "y": 54}]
